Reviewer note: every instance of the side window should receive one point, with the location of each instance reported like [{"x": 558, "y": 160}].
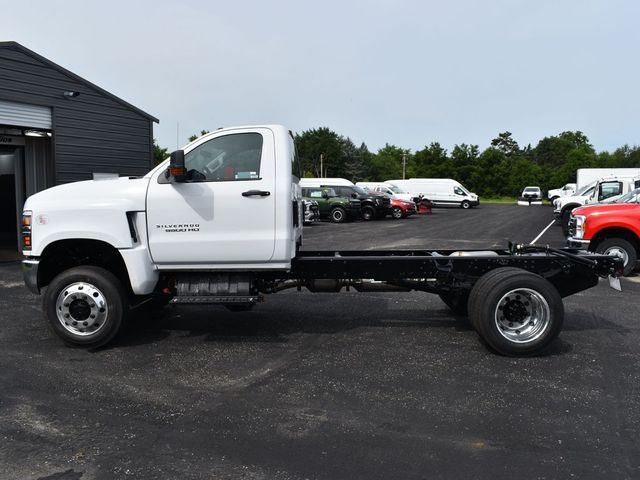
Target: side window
[
  {"x": 315, "y": 194},
  {"x": 458, "y": 191},
  {"x": 228, "y": 158},
  {"x": 609, "y": 189}
]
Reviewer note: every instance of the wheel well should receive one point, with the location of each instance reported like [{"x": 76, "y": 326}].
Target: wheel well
[
  {"x": 614, "y": 232},
  {"x": 65, "y": 254},
  {"x": 570, "y": 207}
]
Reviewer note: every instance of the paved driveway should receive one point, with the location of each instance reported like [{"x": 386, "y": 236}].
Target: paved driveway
[{"x": 326, "y": 386}]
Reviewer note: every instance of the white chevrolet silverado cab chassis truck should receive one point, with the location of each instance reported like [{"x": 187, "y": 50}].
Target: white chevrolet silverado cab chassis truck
[{"x": 220, "y": 222}]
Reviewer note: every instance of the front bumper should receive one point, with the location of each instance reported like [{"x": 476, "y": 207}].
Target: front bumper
[
  {"x": 578, "y": 243},
  {"x": 30, "y": 273}
]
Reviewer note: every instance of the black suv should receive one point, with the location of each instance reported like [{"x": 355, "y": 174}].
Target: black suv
[{"x": 372, "y": 205}]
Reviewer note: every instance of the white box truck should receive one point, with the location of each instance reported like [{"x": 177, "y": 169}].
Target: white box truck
[
  {"x": 441, "y": 191},
  {"x": 585, "y": 176}
]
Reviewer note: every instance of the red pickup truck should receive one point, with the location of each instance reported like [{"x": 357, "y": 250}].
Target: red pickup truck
[{"x": 612, "y": 229}]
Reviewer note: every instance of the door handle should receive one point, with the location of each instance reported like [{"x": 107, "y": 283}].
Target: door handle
[{"x": 258, "y": 193}]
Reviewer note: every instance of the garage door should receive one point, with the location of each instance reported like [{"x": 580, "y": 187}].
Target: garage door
[{"x": 23, "y": 115}]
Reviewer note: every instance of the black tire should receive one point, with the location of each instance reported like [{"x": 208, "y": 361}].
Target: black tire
[
  {"x": 239, "y": 307},
  {"x": 533, "y": 306},
  {"x": 368, "y": 213},
  {"x": 397, "y": 213},
  {"x": 338, "y": 215},
  {"x": 456, "y": 301},
  {"x": 465, "y": 204},
  {"x": 622, "y": 248},
  {"x": 85, "y": 306},
  {"x": 564, "y": 220}
]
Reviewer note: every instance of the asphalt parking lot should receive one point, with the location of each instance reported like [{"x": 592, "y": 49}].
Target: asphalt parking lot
[{"x": 328, "y": 386}]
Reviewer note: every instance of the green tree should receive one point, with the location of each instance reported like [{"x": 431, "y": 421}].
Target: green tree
[
  {"x": 431, "y": 162},
  {"x": 320, "y": 147},
  {"x": 159, "y": 154},
  {"x": 194, "y": 136},
  {"x": 386, "y": 164},
  {"x": 506, "y": 144}
]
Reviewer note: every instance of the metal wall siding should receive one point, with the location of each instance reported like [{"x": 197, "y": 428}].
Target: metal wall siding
[{"x": 92, "y": 132}]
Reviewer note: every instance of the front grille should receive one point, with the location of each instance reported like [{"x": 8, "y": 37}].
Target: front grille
[{"x": 572, "y": 227}]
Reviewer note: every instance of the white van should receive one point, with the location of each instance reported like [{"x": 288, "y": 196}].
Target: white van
[
  {"x": 387, "y": 188},
  {"x": 441, "y": 191}
]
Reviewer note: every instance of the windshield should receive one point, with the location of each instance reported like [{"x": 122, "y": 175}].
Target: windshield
[
  {"x": 531, "y": 189},
  {"x": 396, "y": 189},
  {"x": 586, "y": 189},
  {"x": 632, "y": 197}
]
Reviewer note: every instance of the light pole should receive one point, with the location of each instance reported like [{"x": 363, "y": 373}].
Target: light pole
[{"x": 404, "y": 165}]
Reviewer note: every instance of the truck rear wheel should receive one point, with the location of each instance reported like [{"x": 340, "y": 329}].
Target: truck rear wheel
[
  {"x": 368, "y": 213},
  {"x": 620, "y": 248},
  {"x": 85, "y": 306},
  {"x": 338, "y": 215},
  {"x": 517, "y": 313}
]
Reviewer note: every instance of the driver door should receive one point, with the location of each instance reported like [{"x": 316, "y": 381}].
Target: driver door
[{"x": 225, "y": 212}]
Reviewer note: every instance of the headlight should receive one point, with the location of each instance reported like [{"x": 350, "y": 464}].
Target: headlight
[
  {"x": 26, "y": 230},
  {"x": 581, "y": 226}
]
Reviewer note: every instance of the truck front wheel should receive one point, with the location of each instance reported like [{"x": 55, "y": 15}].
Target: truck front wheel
[
  {"x": 517, "y": 313},
  {"x": 465, "y": 204},
  {"x": 85, "y": 306},
  {"x": 338, "y": 215},
  {"x": 620, "y": 248}
]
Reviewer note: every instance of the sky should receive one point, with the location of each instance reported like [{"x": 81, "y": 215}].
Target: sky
[{"x": 406, "y": 73}]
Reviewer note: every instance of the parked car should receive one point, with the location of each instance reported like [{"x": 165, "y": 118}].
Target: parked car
[
  {"x": 372, "y": 205},
  {"x": 402, "y": 208},
  {"x": 331, "y": 206},
  {"x": 390, "y": 189},
  {"x": 440, "y": 191},
  {"x": 531, "y": 194},
  {"x": 611, "y": 229},
  {"x": 311, "y": 211}
]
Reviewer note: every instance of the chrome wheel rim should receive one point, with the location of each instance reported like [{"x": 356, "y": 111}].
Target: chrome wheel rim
[
  {"x": 337, "y": 215},
  {"x": 397, "y": 213},
  {"x": 81, "y": 309},
  {"x": 522, "y": 315},
  {"x": 618, "y": 252}
]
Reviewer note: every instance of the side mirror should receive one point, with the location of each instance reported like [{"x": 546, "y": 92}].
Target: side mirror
[
  {"x": 325, "y": 194},
  {"x": 354, "y": 195},
  {"x": 177, "y": 170}
]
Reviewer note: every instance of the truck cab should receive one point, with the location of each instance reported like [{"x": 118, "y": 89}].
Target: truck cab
[{"x": 612, "y": 229}]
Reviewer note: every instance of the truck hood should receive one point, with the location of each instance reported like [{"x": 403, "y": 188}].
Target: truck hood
[
  {"x": 92, "y": 210},
  {"x": 127, "y": 193},
  {"x": 607, "y": 208}
]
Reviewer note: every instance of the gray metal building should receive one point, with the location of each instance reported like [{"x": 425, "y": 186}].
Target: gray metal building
[{"x": 56, "y": 127}]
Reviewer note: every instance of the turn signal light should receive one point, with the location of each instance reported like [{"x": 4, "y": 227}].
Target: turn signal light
[{"x": 26, "y": 230}]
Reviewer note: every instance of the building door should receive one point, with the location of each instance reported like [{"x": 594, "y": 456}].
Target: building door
[{"x": 11, "y": 196}]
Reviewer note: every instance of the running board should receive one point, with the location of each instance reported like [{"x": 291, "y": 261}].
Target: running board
[{"x": 215, "y": 299}]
